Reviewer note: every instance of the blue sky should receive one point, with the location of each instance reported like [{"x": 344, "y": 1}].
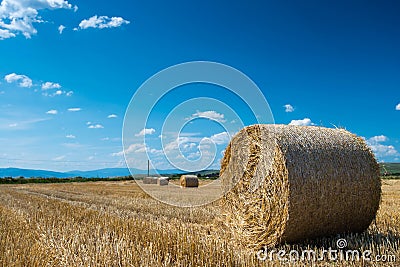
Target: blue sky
[{"x": 68, "y": 71}]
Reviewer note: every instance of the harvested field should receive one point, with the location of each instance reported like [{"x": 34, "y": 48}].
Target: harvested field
[{"x": 116, "y": 224}]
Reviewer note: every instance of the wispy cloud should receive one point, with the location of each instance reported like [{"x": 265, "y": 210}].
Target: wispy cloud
[
  {"x": 303, "y": 122},
  {"x": 102, "y": 22},
  {"x": 6, "y": 124},
  {"x": 70, "y": 136},
  {"x": 210, "y": 114},
  {"x": 398, "y": 106},
  {"x": 23, "y": 80},
  {"x": 112, "y": 116},
  {"x": 96, "y": 126},
  {"x": 50, "y": 85},
  {"x": 19, "y": 16},
  {"x": 52, "y": 112},
  {"x": 133, "y": 148},
  {"x": 58, "y": 93},
  {"x": 59, "y": 158},
  {"x": 61, "y": 28},
  {"x": 220, "y": 138},
  {"x": 74, "y": 109},
  {"x": 146, "y": 131},
  {"x": 288, "y": 108}
]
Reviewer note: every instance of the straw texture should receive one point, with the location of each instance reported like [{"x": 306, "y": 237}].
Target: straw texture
[
  {"x": 189, "y": 181},
  {"x": 287, "y": 183}
]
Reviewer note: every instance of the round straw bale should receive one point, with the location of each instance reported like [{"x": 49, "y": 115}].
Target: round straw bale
[
  {"x": 150, "y": 180},
  {"x": 189, "y": 181},
  {"x": 287, "y": 183},
  {"x": 162, "y": 181}
]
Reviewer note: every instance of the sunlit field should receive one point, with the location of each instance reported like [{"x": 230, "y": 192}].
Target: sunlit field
[{"x": 117, "y": 224}]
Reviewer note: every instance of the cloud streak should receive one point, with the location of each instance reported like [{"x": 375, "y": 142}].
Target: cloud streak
[
  {"x": 74, "y": 109},
  {"x": 145, "y": 131},
  {"x": 52, "y": 112},
  {"x": 96, "y": 126},
  {"x": 102, "y": 22},
  {"x": 209, "y": 114}
]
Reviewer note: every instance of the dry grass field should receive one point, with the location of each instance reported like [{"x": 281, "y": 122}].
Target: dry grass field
[{"x": 116, "y": 224}]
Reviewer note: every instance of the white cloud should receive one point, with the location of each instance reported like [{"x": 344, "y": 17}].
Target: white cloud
[
  {"x": 19, "y": 16},
  {"x": 378, "y": 138},
  {"x": 220, "y": 138},
  {"x": 146, "y": 131},
  {"x": 112, "y": 116},
  {"x": 50, "y": 85},
  {"x": 398, "y": 106},
  {"x": 69, "y": 93},
  {"x": 210, "y": 114},
  {"x": 4, "y": 34},
  {"x": 96, "y": 126},
  {"x": 70, "y": 136},
  {"x": 288, "y": 108},
  {"x": 74, "y": 109},
  {"x": 52, "y": 112},
  {"x": 102, "y": 22},
  {"x": 24, "y": 81},
  {"x": 133, "y": 148},
  {"x": 379, "y": 149},
  {"x": 12, "y": 125},
  {"x": 61, "y": 28},
  {"x": 303, "y": 122}
]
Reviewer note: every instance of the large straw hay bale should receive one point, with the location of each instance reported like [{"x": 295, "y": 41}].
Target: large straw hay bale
[
  {"x": 287, "y": 183},
  {"x": 150, "y": 180},
  {"x": 189, "y": 181}
]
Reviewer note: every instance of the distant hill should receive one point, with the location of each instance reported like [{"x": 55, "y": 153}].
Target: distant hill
[
  {"x": 390, "y": 168},
  {"x": 113, "y": 172},
  {"x": 108, "y": 172},
  {"x": 16, "y": 172}
]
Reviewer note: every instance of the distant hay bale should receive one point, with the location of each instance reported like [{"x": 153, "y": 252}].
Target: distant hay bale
[
  {"x": 162, "y": 181},
  {"x": 189, "y": 181},
  {"x": 287, "y": 183},
  {"x": 150, "y": 180}
]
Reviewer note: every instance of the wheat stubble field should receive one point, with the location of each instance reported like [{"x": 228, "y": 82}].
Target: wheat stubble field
[{"x": 116, "y": 224}]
